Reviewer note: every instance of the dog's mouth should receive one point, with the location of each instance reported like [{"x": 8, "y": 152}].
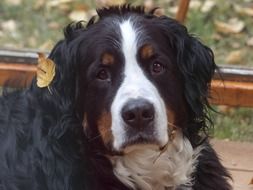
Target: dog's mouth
[{"x": 138, "y": 140}]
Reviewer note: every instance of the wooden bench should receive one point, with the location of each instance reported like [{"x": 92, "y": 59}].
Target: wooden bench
[{"x": 18, "y": 66}]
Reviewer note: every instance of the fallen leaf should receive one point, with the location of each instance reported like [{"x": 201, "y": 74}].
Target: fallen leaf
[
  {"x": 39, "y": 4},
  {"x": 148, "y": 4},
  {"x": 235, "y": 57},
  {"x": 173, "y": 9},
  {"x": 250, "y": 42},
  {"x": 45, "y": 71},
  {"x": 216, "y": 36},
  {"x": 81, "y": 6},
  {"x": 251, "y": 181},
  {"x": 65, "y": 8},
  {"x": 54, "y": 25},
  {"x": 208, "y": 6},
  {"x": 232, "y": 27},
  {"x": 234, "y": 163},
  {"x": 47, "y": 45},
  {"x": 159, "y": 12},
  {"x": 235, "y": 45},
  {"x": 13, "y": 2},
  {"x": 247, "y": 10},
  {"x": 9, "y": 25},
  {"x": 77, "y": 15},
  {"x": 106, "y": 3},
  {"x": 56, "y": 3},
  {"x": 195, "y": 4}
]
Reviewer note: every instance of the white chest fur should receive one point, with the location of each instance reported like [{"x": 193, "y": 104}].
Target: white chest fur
[{"x": 142, "y": 169}]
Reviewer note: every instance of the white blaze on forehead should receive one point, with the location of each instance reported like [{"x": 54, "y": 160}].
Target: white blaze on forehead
[{"x": 135, "y": 85}]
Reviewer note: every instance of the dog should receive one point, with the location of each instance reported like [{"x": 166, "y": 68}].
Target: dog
[{"x": 126, "y": 109}]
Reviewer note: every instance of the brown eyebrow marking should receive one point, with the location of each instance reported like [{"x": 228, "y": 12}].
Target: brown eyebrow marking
[
  {"x": 147, "y": 51},
  {"x": 107, "y": 59}
]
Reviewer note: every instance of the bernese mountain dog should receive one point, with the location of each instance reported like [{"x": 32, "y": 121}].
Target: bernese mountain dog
[{"x": 127, "y": 109}]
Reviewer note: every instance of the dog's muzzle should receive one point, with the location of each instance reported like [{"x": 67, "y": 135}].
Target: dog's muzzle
[{"x": 139, "y": 122}]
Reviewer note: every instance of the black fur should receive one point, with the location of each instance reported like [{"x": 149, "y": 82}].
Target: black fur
[
  {"x": 210, "y": 168},
  {"x": 42, "y": 140}
]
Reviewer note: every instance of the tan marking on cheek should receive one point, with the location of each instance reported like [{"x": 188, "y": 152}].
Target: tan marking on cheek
[
  {"x": 104, "y": 127},
  {"x": 147, "y": 51},
  {"x": 107, "y": 59}
]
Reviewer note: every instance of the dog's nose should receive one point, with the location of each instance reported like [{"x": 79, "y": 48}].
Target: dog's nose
[{"x": 138, "y": 113}]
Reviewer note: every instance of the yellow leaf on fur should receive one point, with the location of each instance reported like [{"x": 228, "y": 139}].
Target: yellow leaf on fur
[
  {"x": 45, "y": 71},
  {"x": 106, "y": 3}
]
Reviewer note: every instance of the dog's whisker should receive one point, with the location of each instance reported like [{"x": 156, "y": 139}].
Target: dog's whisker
[
  {"x": 172, "y": 125},
  {"x": 162, "y": 150},
  {"x": 96, "y": 137},
  {"x": 171, "y": 135}
]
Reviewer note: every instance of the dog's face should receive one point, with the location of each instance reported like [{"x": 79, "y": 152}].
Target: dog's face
[
  {"x": 136, "y": 78},
  {"x": 133, "y": 79}
]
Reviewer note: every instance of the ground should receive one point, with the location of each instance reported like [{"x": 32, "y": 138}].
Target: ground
[{"x": 237, "y": 157}]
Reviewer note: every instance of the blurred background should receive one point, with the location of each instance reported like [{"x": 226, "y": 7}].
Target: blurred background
[{"x": 224, "y": 25}]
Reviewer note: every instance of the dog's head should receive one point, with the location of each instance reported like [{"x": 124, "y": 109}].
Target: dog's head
[{"x": 133, "y": 78}]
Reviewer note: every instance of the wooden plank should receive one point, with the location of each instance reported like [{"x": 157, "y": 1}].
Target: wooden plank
[
  {"x": 17, "y": 67},
  {"x": 182, "y": 10},
  {"x": 16, "y": 74},
  {"x": 18, "y": 56},
  {"x": 234, "y": 73},
  {"x": 237, "y": 158},
  {"x": 232, "y": 93}
]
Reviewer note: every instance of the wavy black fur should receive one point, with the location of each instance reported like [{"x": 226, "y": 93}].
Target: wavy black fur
[{"x": 42, "y": 143}]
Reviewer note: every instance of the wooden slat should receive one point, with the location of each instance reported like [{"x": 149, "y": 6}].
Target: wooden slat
[
  {"x": 234, "y": 73},
  {"x": 232, "y": 93},
  {"x": 16, "y": 74},
  {"x": 182, "y": 10},
  {"x": 18, "y": 56},
  {"x": 17, "y": 67}
]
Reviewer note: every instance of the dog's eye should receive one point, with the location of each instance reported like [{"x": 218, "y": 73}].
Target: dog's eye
[
  {"x": 103, "y": 74},
  {"x": 157, "y": 68}
]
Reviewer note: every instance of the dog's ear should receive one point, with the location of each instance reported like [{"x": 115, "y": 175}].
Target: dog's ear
[
  {"x": 196, "y": 65},
  {"x": 64, "y": 68},
  {"x": 195, "y": 62},
  {"x": 64, "y": 55}
]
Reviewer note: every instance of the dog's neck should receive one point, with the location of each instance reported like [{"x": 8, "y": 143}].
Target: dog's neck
[{"x": 144, "y": 169}]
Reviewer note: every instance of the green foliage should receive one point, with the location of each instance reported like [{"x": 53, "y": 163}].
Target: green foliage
[
  {"x": 198, "y": 24},
  {"x": 235, "y": 124}
]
